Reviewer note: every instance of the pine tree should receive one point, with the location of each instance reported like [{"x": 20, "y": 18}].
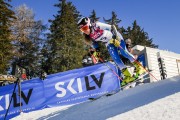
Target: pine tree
[
  {"x": 6, "y": 17},
  {"x": 138, "y": 36},
  {"x": 66, "y": 50},
  {"x": 113, "y": 20},
  {"x": 135, "y": 33},
  {"x": 93, "y": 16}
]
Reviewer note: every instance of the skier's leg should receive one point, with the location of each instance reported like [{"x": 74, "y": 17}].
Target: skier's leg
[
  {"x": 125, "y": 53},
  {"x": 113, "y": 51},
  {"x": 115, "y": 56}
]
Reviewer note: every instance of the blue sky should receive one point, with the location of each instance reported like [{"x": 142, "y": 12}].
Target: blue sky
[{"x": 159, "y": 18}]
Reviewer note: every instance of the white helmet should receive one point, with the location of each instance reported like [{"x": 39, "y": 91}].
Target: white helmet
[{"x": 83, "y": 21}]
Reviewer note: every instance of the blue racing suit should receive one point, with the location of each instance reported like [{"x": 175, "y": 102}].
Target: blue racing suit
[{"x": 102, "y": 32}]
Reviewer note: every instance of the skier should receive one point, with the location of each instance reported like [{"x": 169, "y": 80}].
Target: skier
[
  {"x": 95, "y": 55},
  {"x": 128, "y": 44},
  {"x": 129, "y": 48},
  {"x": 97, "y": 31}
]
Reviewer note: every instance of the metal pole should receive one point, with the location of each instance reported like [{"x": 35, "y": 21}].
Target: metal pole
[{"x": 11, "y": 98}]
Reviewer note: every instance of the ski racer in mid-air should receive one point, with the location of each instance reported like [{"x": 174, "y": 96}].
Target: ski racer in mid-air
[{"x": 97, "y": 31}]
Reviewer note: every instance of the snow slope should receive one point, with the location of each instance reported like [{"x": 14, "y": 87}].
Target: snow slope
[{"x": 153, "y": 101}]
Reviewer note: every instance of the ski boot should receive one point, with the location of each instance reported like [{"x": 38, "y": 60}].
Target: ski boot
[
  {"x": 127, "y": 77},
  {"x": 139, "y": 70}
]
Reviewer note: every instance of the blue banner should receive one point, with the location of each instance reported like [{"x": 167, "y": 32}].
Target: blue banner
[{"x": 63, "y": 88}]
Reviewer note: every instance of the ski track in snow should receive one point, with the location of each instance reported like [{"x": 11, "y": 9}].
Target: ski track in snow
[{"x": 153, "y": 101}]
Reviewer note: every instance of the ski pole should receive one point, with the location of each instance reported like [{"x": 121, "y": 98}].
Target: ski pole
[
  {"x": 139, "y": 63},
  {"x": 109, "y": 68},
  {"x": 11, "y": 98},
  {"x": 116, "y": 34}
]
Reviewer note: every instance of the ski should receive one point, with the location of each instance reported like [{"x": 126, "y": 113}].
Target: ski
[
  {"x": 104, "y": 95},
  {"x": 136, "y": 82},
  {"x": 92, "y": 99},
  {"x": 140, "y": 80}
]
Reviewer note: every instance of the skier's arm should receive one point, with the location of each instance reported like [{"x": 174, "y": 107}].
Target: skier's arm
[
  {"x": 111, "y": 28},
  {"x": 103, "y": 26},
  {"x": 118, "y": 36},
  {"x": 116, "y": 40}
]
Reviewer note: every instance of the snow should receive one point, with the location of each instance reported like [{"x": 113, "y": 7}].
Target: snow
[{"x": 152, "y": 101}]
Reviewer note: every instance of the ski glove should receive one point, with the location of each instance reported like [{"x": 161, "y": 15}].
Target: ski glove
[{"x": 115, "y": 42}]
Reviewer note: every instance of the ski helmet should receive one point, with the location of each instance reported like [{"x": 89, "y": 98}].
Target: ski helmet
[{"x": 83, "y": 21}]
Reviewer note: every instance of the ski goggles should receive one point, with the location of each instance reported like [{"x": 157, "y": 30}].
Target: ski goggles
[{"x": 84, "y": 28}]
